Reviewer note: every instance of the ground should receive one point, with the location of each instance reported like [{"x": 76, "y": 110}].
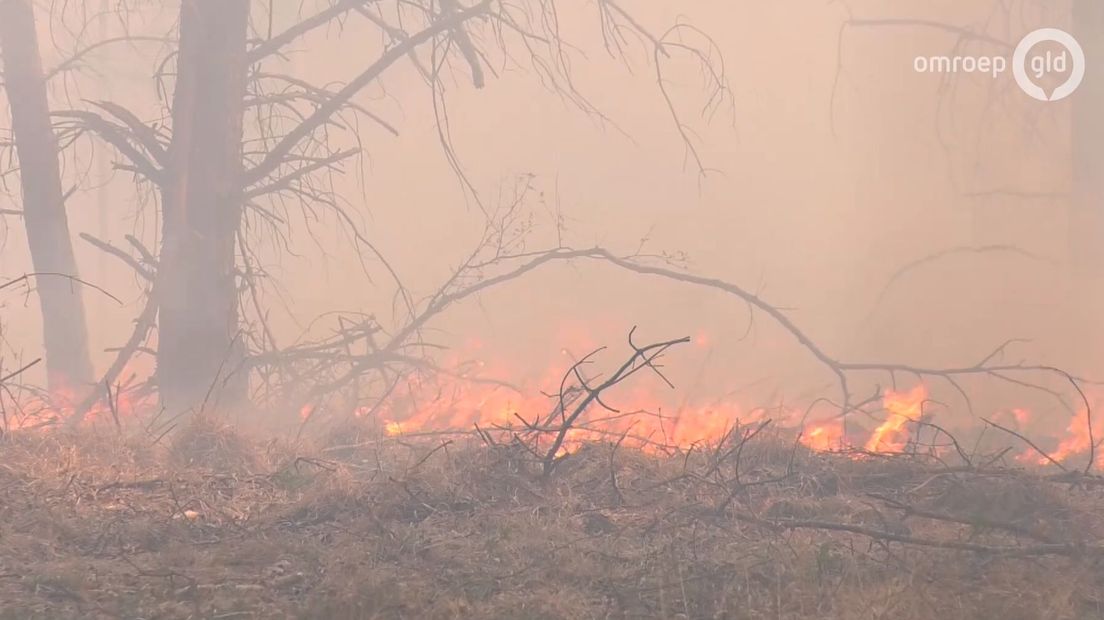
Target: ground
[{"x": 211, "y": 524}]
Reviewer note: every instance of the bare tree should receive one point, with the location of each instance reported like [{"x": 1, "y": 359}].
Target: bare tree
[
  {"x": 66, "y": 339},
  {"x": 1087, "y": 131},
  {"x": 202, "y": 204},
  {"x": 212, "y": 174}
]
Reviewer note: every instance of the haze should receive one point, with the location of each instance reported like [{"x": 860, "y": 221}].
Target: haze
[{"x": 832, "y": 166}]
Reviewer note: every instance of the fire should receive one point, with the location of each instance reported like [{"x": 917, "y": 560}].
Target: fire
[
  {"x": 903, "y": 407},
  {"x": 1078, "y": 439},
  {"x": 639, "y": 419},
  {"x": 634, "y": 414},
  {"x": 28, "y": 410},
  {"x": 1021, "y": 416},
  {"x": 825, "y": 437}
]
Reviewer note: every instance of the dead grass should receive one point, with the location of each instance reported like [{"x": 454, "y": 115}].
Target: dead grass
[{"x": 214, "y": 525}]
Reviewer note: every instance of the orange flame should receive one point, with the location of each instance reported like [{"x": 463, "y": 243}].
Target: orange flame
[
  {"x": 903, "y": 407},
  {"x": 1078, "y": 440},
  {"x": 33, "y": 410},
  {"x": 465, "y": 399},
  {"x": 825, "y": 437}
]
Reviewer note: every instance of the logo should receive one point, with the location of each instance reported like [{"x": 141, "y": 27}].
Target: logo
[
  {"x": 1028, "y": 66},
  {"x": 1041, "y": 65}
]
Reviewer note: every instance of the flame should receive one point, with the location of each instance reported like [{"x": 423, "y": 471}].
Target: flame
[
  {"x": 26, "y": 410},
  {"x": 1078, "y": 440},
  {"x": 452, "y": 404},
  {"x": 461, "y": 402},
  {"x": 634, "y": 414},
  {"x": 638, "y": 420},
  {"x": 826, "y": 437},
  {"x": 1021, "y": 416},
  {"x": 903, "y": 407}
]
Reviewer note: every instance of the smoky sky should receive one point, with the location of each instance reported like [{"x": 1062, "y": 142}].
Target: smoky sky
[{"x": 834, "y": 166}]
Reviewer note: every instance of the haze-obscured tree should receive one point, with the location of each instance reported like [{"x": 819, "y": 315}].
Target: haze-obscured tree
[
  {"x": 212, "y": 175},
  {"x": 65, "y": 333},
  {"x": 202, "y": 205},
  {"x": 1086, "y": 208}
]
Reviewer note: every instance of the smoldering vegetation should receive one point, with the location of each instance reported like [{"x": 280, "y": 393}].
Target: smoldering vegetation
[{"x": 215, "y": 525}]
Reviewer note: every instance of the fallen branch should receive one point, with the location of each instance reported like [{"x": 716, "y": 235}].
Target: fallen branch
[{"x": 642, "y": 357}]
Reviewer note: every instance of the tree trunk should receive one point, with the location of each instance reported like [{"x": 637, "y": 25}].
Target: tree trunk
[
  {"x": 1086, "y": 204},
  {"x": 68, "y": 364},
  {"x": 1086, "y": 217},
  {"x": 199, "y": 351}
]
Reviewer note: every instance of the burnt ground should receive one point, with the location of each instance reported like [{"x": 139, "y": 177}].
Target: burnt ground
[{"x": 213, "y": 525}]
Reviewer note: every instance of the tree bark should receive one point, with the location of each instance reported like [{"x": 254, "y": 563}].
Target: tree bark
[
  {"x": 1086, "y": 203},
  {"x": 199, "y": 349},
  {"x": 68, "y": 363},
  {"x": 1086, "y": 215}
]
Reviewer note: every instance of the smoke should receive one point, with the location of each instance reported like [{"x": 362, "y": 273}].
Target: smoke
[{"x": 836, "y": 167}]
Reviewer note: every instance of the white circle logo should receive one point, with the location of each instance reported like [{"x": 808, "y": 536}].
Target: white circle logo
[{"x": 1041, "y": 65}]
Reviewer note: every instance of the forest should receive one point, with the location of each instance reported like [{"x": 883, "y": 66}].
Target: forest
[{"x": 551, "y": 309}]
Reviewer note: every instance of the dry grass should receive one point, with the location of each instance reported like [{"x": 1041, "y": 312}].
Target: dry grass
[{"x": 213, "y": 525}]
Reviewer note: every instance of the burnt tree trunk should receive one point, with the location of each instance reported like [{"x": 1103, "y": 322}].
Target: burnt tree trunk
[
  {"x": 63, "y": 319},
  {"x": 1087, "y": 204},
  {"x": 199, "y": 351}
]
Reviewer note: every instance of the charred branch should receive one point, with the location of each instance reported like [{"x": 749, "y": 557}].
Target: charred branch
[
  {"x": 278, "y": 153},
  {"x": 124, "y": 140}
]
